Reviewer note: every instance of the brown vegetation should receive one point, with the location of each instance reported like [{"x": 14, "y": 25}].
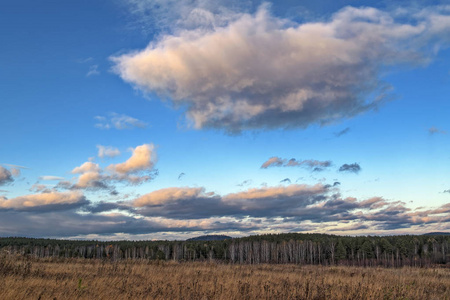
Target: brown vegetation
[{"x": 52, "y": 278}]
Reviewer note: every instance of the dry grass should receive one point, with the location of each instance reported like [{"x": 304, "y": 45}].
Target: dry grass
[{"x": 22, "y": 278}]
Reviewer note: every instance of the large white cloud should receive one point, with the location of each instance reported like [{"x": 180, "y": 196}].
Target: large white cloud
[{"x": 260, "y": 71}]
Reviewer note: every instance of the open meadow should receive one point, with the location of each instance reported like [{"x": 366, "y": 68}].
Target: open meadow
[{"x": 53, "y": 278}]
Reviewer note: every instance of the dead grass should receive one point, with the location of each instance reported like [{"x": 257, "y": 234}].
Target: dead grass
[{"x": 25, "y": 278}]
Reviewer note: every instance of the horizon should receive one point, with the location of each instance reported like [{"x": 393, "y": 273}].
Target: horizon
[{"x": 167, "y": 120}]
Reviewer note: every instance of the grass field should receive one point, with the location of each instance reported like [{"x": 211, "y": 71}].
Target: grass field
[{"x": 26, "y": 278}]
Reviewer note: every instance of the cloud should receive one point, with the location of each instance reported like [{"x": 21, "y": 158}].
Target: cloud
[
  {"x": 5, "y": 176},
  {"x": 311, "y": 164},
  {"x": 169, "y": 195},
  {"x": 286, "y": 180},
  {"x": 433, "y": 130},
  {"x": 50, "y": 177},
  {"x": 143, "y": 158},
  {"x": 86, "y": 167},
  {"x": 54, "y": 200},
  {"x": 245, "y": 182},
  {"x": 273, "y": 162},
  {"x": 107, "y": 151},
  {"x": 352, "y": 168},
  {"x": 171, "y": 15},
  {"x": 137, "y": 169},
  {"x": 258, "y": 71},
  {"x": 447, "y": 191},
  {"x": 93, "y": 70},
  {"x": 342, "y": 132},
  {"x": 118, "y": 121},
  {"x": 184, "y": 209}
]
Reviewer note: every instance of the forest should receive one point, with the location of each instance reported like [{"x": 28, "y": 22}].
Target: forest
[{"x": 288, "y": 248}]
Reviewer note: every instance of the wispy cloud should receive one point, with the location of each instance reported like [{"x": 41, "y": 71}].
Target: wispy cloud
[
  {"x": 311, "y": 164},
  {"x": 118, "y": 121},
  {"x": 311, "y": 73},
  {"x": 50, "y": 177},
  {"x": 433, "y": 130},
  {"x": 107, "y": 151},
  {"x": 93, "y": 70},
  {"x": 342, "y": 132}
]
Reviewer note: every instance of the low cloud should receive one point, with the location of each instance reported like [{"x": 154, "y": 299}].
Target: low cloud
[
  {"x": 118, "y": 121},
  {"x": 107, "y": 151},
  {"x": 185, "y": 209},
  {"x": 51, "y": 200},
  {"x": 257, "y": 71},
  {"x": 310, "y": 164},
  {"x": 350, "y": 168}
]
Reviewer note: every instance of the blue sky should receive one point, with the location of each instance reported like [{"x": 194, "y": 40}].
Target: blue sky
[{"x": 150, "y": 119}]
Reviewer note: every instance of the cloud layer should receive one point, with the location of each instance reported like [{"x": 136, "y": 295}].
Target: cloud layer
[
  {"x": 316, "y": 208},
  {"x": 258, "y": 71}
]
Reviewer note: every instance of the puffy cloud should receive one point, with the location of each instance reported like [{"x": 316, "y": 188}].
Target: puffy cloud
[
  {"x": 137, "y": 169},
  {"x": 143, "y": 158},
  {"x": 258, "y": 71},
  {"x": 54, "y": 200},
  {"x": 107, "y": 151},
  {"x": 118, "y": 121},
  {"x": 5, "y": 176},
  {"x": 311, "y": 164},
  {"x": 352, "y": 168}
]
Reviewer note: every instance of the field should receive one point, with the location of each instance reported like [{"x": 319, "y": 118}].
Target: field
[{"x": 30, "y": 278}]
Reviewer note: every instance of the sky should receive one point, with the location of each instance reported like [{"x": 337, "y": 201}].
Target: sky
[{"x": 152, "y": 119}]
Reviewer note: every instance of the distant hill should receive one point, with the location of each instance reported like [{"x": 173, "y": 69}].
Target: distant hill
[
  {"x": 212, "y": 237},
  {"x": 437, "y": 233}
]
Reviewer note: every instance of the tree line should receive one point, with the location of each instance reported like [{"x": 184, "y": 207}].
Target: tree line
[{"x": 290, "y": 248}]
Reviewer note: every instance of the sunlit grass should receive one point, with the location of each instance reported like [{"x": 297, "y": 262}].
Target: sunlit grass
[{"x": 26, "y": 278}]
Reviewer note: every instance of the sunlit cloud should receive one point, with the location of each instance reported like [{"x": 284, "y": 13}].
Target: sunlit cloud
[
  {"x": 137, "y": 169},
  {"x": 311, "y": 164},
  {"x": 52, "y": 200},
  {"x": 262, "y": 72}
]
